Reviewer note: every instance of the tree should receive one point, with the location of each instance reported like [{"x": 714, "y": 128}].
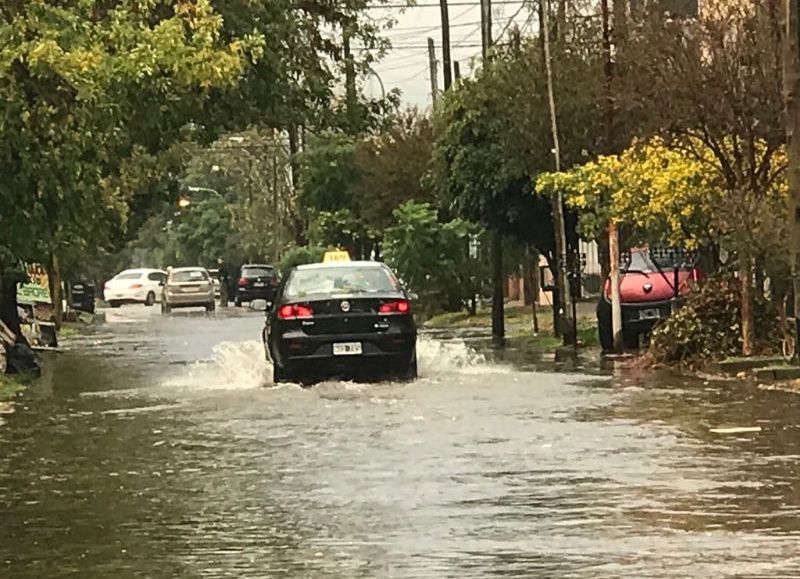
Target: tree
[
  {"x": 713, "y": 84},
  {"x": 493, "y": 137},
  {"x": 432, "y": 258},
  {"x": 675, "y": 194},
  {"x": 82, "y": 87}
]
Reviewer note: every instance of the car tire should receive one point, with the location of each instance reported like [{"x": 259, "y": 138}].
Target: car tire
[
  {"x": 605, "y": 333},
  {"x": 237, "y": 302},
  {"x": 631, "y": 340},
  {"x": 114, "y": 304},
  {"x": 410, "y": 373},
  {"x": 150, "y": 300},
  {"x": 280, "y": 375}
]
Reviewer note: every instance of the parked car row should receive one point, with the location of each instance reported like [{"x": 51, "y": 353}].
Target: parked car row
[{"x": 188, "y": 287}]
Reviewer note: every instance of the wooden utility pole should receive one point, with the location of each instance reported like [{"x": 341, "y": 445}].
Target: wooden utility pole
[
  {"x": 350, "y": 82},
  {"x": 498, "y": 312},
  {"x": 559, "y": 227},
  {"x": 446, "y": 66},
  {"x": 791, "y": 87},
  {"x": 433, "y": 67},
  {"x": 613, "y": 235}
]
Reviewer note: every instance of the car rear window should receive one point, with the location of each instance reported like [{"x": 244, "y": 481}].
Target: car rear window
[
  {"x": 191, "y": 275},
  {"x": 258, "y": 272},
  {"x": 129, "y": 275},
  {"x": 340, "y": 280}
]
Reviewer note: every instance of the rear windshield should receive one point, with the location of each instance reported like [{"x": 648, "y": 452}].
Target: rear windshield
[
  {"x": 136, "y": 275},
  {"x": 341, "y": 280},
  {"x": 257, "y": 271},
  {"x": 192, "y": 275}
]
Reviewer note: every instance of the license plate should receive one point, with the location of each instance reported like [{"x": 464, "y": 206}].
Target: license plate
[
  {"x": 259, "y": 284},
  {"x": 347, "y": 349},
  {"x": 649, "y": 314}
]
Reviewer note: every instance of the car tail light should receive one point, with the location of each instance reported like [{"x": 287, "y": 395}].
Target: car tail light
[
  {"x": 242, "y": 281},
  {"x": 395, "y": 307},
  {"x": 136, "y": 286},
  {"x": 295, "y": 312}
]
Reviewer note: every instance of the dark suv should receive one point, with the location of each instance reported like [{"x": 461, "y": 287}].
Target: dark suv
[{"x": 256, "y": 282}]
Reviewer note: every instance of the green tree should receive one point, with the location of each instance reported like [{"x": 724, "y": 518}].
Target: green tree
[
  {"x": 82, "y": 87},
  {"x": 432, "y": 258}
]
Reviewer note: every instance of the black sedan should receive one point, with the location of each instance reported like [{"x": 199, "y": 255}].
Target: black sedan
[{"x": 343, "y": 319}]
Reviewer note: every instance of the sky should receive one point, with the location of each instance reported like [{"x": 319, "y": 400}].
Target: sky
[{"x": 406, "y": 65}]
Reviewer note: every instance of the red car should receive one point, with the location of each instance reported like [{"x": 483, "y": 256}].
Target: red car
[{"x": 647, "y": 292}]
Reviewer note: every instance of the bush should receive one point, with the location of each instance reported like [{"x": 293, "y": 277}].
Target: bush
[
  {"x": 432, "y": 258},
  {"x": 301, "y": 255},
  {"x": 708, "y": 325}
]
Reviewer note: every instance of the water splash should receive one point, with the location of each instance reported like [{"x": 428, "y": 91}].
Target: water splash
[
  {"x": 233, "y": 366},
  {"x": 441, "y": 357}
]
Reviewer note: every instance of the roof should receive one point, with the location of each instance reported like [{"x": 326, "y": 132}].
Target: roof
[
  {"x": 340, "y": 265},
  {"x": 265, "y": 265},
  {"x": 193, "y": 268},
  {"x": 140, "y": 270}
]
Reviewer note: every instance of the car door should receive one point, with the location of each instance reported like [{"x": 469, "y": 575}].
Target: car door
[{"x": 155, "y": 280}]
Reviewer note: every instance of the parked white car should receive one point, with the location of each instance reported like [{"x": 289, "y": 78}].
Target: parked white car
[{"x": 134, "y": 286}]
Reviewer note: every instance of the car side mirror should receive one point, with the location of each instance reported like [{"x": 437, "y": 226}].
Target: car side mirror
[{"x": 260, "y": 305}]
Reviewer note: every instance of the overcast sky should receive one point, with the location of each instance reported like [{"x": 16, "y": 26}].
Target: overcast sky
[{"x": 406, "y": 66}]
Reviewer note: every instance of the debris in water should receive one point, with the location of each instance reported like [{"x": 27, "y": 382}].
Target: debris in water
[{"x": 735, "y": 429}]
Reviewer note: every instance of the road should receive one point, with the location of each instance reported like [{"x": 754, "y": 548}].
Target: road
[{"x": 158, "y": 448}]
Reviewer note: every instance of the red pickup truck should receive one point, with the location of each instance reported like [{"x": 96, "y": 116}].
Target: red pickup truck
[{"x": 647, "y": 292}]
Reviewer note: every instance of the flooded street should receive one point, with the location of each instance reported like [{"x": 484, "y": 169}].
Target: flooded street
[{"x": 155, "y": 447}]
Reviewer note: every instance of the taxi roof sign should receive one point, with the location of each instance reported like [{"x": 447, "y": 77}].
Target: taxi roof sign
[{"x": 335, "y": 256}]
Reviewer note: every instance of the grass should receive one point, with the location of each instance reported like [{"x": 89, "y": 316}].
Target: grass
[
  {"x": 68, "y": 331},
  {"x": 519, "y": 331},
  {"x": 9, "y": 388}
]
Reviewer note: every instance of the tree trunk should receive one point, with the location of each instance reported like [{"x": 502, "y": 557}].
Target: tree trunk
[
  {"x": 746, "y": 281},
  {"x": 498, "y": 313},
  {"x": 534, "y": 285},
  {"x": 8, "y": 301},
  {"x": 527, "y": 276},
  {"x": 56, "y": 297},
  {"x": 791, "y": 87}
]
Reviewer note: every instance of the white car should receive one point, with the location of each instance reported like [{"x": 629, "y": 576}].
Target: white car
[{"x": 134, "y": 286}]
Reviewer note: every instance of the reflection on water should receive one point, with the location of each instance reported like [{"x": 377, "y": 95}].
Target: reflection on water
[{"x": 162, "y": 450}]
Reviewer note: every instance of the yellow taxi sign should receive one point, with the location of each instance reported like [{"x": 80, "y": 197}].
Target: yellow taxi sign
[{"x": 336, "y": 256}]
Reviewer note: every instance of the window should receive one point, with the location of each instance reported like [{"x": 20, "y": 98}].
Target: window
[
  {"x": 196, "y": 275},
  {"x": 155, "y": 276},
  {"x": 135, "y": 275},
  {"x": 341, "y": 280},
  {"x": 249, "y": 272}
]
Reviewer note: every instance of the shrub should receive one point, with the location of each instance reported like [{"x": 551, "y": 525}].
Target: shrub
[
  {"x": 708, "y": 325},
  {"x": 301, "y": 255}
]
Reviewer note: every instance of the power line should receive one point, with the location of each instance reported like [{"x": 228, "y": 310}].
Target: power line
[{"x": 431, "y": 5}]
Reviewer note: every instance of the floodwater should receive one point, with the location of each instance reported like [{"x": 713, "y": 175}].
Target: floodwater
[{"x": 157, "y": 447}]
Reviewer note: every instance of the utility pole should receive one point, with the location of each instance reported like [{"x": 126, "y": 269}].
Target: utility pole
[
  {"x": 433, "y": 66},
  {"x": 791, "y": 88},
  {"x": 350, "y": 81},
  {"x": 447, "y": 68},
  {"x": 558, "y": 203},
  {"x": 496, "y": 241},
  {"x": 613, "y": 236}
]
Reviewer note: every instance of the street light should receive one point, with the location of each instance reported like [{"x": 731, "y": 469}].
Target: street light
[{"x": 185, "y": 202}]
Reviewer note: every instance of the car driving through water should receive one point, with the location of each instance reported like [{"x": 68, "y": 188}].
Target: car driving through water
[
  {"x": 340, "y": 319},
  {"x": 188, "y": 287}
]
